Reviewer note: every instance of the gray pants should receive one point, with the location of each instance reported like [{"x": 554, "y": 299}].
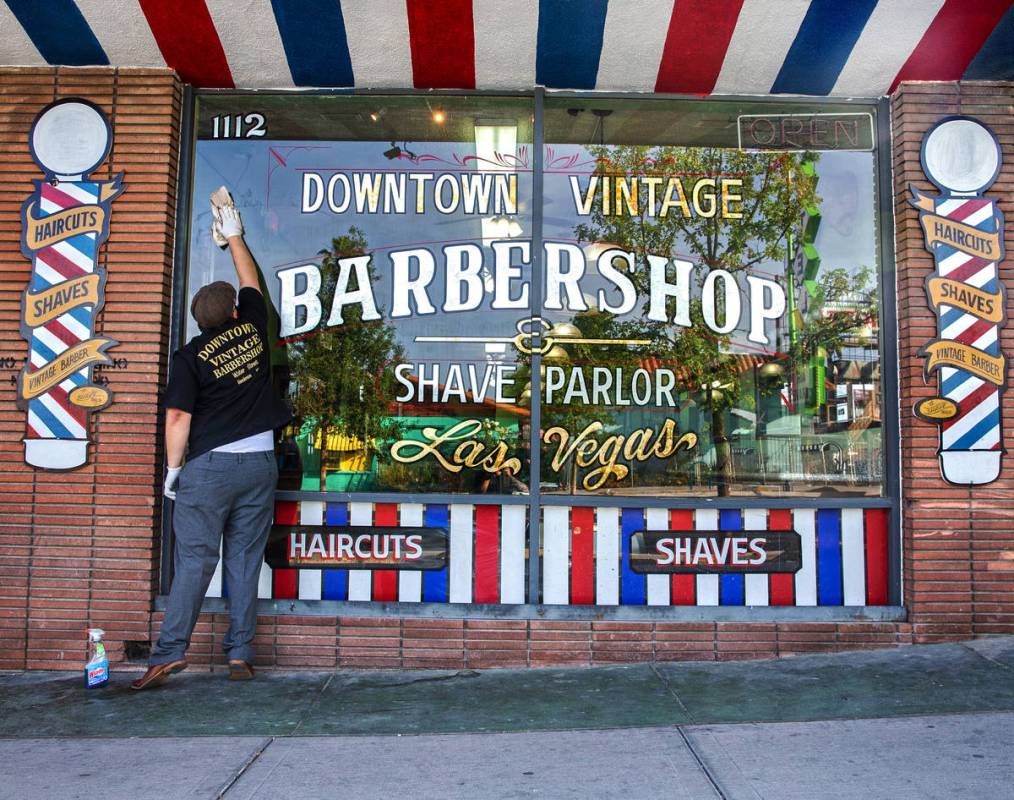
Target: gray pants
[{"x": 227, "y": 498}]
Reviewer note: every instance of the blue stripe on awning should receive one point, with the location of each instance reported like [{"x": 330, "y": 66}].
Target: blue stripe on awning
[
  {"x": 59, "y": 31},
  {"x": 569, "y": 43},
  {"x": 829, "y": 561},
  {"x": 823, "y": 44},
  {"x": 993, "y": 62},
  {"x": 731, "y": 588},
  {"x": 315, "y": 43},
  {"x": 633, "y": 585},
  {"x": 435, "y": 586},
  {"x": 335, "y": 582}
]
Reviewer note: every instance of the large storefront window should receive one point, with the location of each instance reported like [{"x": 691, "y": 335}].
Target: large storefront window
[
  {"x": 393, "y": 238},
  {"x": 728, "y": 272},
  {"x": 707, "y": 322}
]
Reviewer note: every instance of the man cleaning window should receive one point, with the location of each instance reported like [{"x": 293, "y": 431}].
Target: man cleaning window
[{"x": 222, "y": 410}]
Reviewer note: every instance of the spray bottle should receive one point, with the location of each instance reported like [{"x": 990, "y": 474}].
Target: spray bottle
[{"x": 97, "y": 668}]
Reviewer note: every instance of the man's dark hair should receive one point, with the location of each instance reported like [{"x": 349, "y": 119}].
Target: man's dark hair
[{"x": 213, "y": 304}]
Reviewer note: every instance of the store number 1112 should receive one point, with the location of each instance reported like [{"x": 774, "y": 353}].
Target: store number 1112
[{"x": 237, "y": 126}]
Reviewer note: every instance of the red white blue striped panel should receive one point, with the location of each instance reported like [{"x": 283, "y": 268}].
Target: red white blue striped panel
[
  {"x": 811, "y": 47},
  {"x": 486, "y": 556},
  {"x": 585, "y": 559}
]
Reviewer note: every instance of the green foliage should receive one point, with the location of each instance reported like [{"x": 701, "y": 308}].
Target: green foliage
[{"x": 344, "y": 383}]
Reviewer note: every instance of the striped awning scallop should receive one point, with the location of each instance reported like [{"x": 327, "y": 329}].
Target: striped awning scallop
[{"x": 860, "y": 48}]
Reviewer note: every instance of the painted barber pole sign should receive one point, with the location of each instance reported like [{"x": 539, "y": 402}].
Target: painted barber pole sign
[
  {"x": 65, "y": 220},
  {"x": 964, "y": 231}
]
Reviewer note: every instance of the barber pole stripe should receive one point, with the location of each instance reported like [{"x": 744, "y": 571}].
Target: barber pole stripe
[
  {"x": 823, "y": 44},
  {"x": 513, "y": 547},
  {"x": 607, "y": 556},
  {"x": 435, "y": 589},
  {"x": 705, "y": 28},
  {"x": 877, "y": 555},
  {"x": 853, "y": 554},
  {"x": 385, "y": 581},
  {"x": 569, "y": 43},
  {"x": 684, "y": 587},
  {"x": 263, "y": 65},
  {"x": 311, "y": 512},
  {"x": 360, "y": 580},
  {"x": 555, "y": 555},
  {"x": 311, "y": 62},
  {"x": 194, "y": 50},
  {"x": 781, "y": 586},
  {"x": 707, "y": 585},
  {"x": 59, "y": 31},
  {"x": 460, "y": 554},
  {"x": 377, "y": 37},
  {"x": 335, "y": 582},
  {"x": 956, "y": 34},
  {"x": 633, "y": 28},
  {"x": 730, "y": 587},
  {"x": 829, "y": 558},
  {"x": 755, "y": 587},
  {"x": 993, "y": 61},
  {"x": 758, "y": 46},
  {"x": 894, "y": 29},
  {"x": 657, "y": 519},
  {"x": 582, "y": 556},
  {"x": 410, "y": 581},
  {"x": 285, "y": 582},
  {"x": 633, "y": 588},
  {"x": 487, "y": 554},
  {"x": 443, "y": 44},
  {"x": 505, "y": 58},
  {"x": 804, "y": 523}
]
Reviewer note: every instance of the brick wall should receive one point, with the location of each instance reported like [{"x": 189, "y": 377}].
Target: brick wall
[
  {"x": 958, "y": 542},
  {"x": 81, "y": 549},
  {"x": 78, "y": 549}
]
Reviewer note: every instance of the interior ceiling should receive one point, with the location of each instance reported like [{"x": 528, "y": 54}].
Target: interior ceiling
[{"x": 695, "y": 47}]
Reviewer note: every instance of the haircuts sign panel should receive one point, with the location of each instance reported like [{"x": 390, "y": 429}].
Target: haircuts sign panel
[
  {"x": 964, "y": 231},
  {"x": 64, "y": 222}
]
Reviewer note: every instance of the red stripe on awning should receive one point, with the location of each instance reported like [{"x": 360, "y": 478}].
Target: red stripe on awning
[
  {"x": 442, "y": 38},
  {"x": 189, "y": 42},
  {"x": 952, "y": 40},
  {"x": 699, "y": 34}
]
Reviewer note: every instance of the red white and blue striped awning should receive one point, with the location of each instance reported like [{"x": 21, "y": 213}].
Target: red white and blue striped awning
[{"x": 860, "y": 48}]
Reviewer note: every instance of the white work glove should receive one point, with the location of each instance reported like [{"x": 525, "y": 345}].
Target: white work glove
[
  {"x": 230, "y": 223},
  {"x": 171, "y": 476},
  {"x": 224, "y": 224}
]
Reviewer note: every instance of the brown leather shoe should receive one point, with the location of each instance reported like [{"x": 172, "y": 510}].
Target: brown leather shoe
[
  {"x": 240, "y": 670},
  {"x": 158, "y": 674}
]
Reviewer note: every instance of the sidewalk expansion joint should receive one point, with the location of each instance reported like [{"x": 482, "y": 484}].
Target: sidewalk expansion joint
[
  {"x": 675, "y": 695},
  {"x": 990, "y": 659},
  {"x": 242, "y": 770}
]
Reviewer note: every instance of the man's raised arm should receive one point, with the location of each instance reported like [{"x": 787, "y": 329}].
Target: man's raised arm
[{"x": 232, "y": 230}]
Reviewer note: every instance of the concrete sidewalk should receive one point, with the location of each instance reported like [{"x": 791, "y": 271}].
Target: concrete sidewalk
[{"x": 920, "y": 722}]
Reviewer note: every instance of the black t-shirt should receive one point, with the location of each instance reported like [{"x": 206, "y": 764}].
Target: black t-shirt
[{"x": 223, "y": 379}]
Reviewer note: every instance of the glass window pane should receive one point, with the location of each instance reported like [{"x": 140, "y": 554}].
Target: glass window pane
[
  {"x": 392, "y": 235},
  {"x": 712, "y": 279}
]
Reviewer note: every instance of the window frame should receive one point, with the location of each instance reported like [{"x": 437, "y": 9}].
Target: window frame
[{"x": 535, "y": 500}]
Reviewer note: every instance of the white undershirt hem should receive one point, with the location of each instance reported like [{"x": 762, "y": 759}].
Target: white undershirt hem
[{"x": 258, "y": 443}]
